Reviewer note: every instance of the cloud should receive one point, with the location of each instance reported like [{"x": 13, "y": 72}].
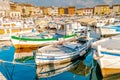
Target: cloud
[{"x": 108, "y": 1}]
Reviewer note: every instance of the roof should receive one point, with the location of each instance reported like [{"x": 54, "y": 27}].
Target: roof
[
  {"x": 87, "y": 8},
  {"x": 27, "y": 5},
  {"x": 116, "y": 5},
  {"x": 101, "y": 5},
  {"x": 71, "y": 7},
  {"x": 80, "y": 9}
]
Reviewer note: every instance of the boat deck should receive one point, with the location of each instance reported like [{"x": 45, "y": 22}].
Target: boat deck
[
  {"x": 57, "y": 49},
  {"x": 112, "y": 43}
]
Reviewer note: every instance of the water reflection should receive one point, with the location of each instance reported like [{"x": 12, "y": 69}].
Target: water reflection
[
  {"x": 81, "y": 69},
  {"x": 77, "y": 68},
  {"x": 85, "y": 69}
]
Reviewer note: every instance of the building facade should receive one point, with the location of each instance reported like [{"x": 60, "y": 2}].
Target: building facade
[
  {"x": 102, "y": 10},
  {"x": 5, "y": 5},
  {"x": 15, "y": 14},
  {"x": 53, "y": 10},
  {"x": 79, "y": 12},
  {"x": 61, "y": 11},
  {"x": 87, "y": 11},
  {"x": 26, "y": 10},
  {"x": 66, "y": 11},
  {"x": 116, "y": 9},
  {"x": 45, "y": 10},
  {"x": 71, "y": 10},
  {"x": 2, "y": 13},
  {"x": 38, "y": 11},
  {"x": 4, "y": 8}
]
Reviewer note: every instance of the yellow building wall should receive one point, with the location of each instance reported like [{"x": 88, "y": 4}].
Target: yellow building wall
[
  {"x": 45, "y": 11},
  {"x": 102, "y": 10},
  {"x": 71, "y": 10},
  {"x": 19, "y": 8},
  {"x": 60, "y": 11},
  {"x": 80, "y": 12}
]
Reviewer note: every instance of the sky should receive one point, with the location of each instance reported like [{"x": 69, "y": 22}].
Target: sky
[{"x": 65, "y": 3}]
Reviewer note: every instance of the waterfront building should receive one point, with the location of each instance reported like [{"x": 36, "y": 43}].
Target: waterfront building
[
  {"x": 4, "y": 7},
  {"x": 111, "y": 11},
  {"x": 87, "y": 11},
  {"x": 101, "y": 10},
  {"x": 26, "y": 10},
  {"x": 38, "y": 11},
  {"x": 18, "y": 7},
  {"x": 116, "y": 9},
  {"x": 71, "y": 10},
  {"x": 66, "y": 11},
  {"x": 14, "y": 14},
  {"x": 53, "y": 10},
  {"x": 13, "y": 6},
  {"x": 79, "y": 12},
  {"x": 50, "y": 10},
  {"x": 61, "y": 11},
  {"x": 45, "y": 10},
  {"x": 2, "y": 13}
]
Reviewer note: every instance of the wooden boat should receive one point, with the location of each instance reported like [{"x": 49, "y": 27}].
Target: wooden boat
[
  {"x": 77, "y": 67},
  {"x": 111, "y": 30},
  {"x": 7, "y": 32},
  {"x": 107, "y": 53},
  {"x": 39, "y": 40},
  {"x": 8, "y": 28},
  {"x": 62, "y": 53},
  {"x": 64, "y": 33}
]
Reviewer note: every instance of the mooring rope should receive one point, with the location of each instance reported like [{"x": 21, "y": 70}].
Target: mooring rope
[{"x": 24, "y": 64}]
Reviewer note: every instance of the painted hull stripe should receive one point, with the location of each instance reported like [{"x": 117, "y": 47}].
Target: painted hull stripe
[{"x": 112, "y": 54}]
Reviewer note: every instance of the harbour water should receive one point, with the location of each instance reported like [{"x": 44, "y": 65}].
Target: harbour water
[{"x": 84, "y": 68}]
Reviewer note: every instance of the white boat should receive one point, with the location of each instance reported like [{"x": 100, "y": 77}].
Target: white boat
[
  {"x": 8, "y": 28},
  {"x": 107, "y": 53},
  {"x": 101, "y": 22},
  {"x": 62, "y": 53},
  {"x": 109, "y": 31},
  {"x": 7, "y": 32},
  {"x": 76, "y": 67},
  {"x": 64, "y": 33}
]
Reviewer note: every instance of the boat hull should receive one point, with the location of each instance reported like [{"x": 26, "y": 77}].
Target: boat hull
[
  {"x": 28, "y": 44},
  {"x": 107, "y": 72},
  {"x": 5, "y": 35},
  {"x": 109, "y": 63},
  {"x": 60, "y": 58}
]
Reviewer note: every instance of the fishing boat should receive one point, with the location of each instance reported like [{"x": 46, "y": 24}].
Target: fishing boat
[
  {"x": 101, "y": 22},
  {"x": 62, "y": 53},
  {"x": 109, "y": 30},
  {"x": 107, "y": 54},
  {"x": 8, "y": 28},
  {"x": 35, "y": 39}
]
